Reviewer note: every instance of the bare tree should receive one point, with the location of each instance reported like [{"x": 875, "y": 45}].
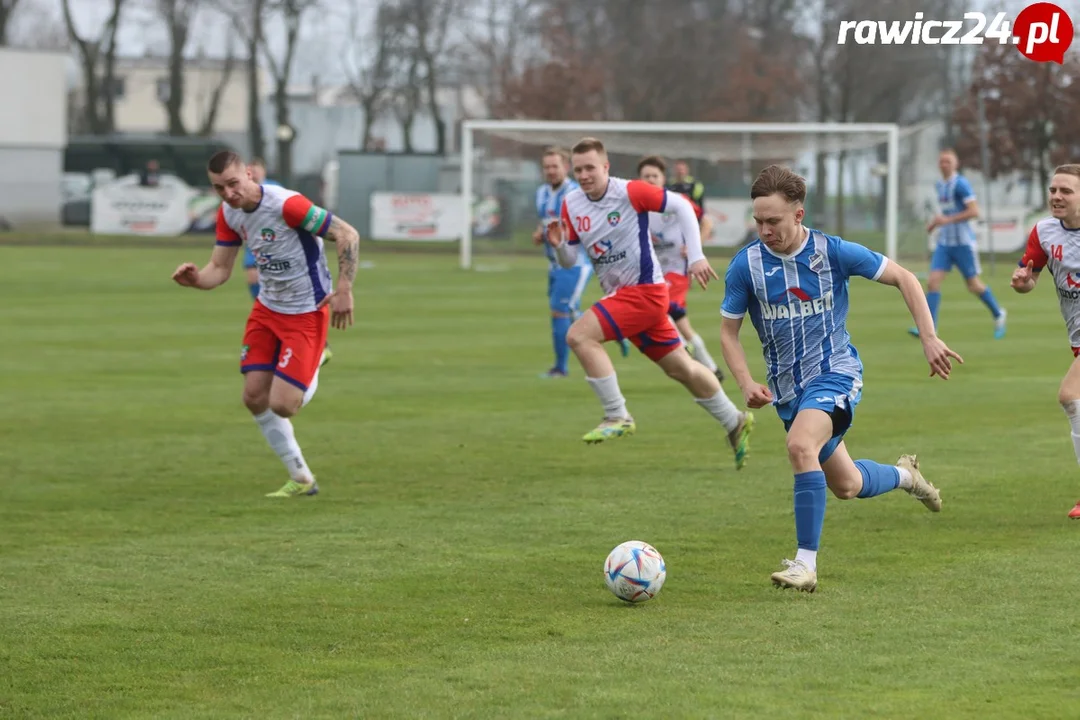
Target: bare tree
[
  {"x": 1032, "y": 111},
  {"x": 248, "y": 22},
  {"x": 427, "y": 23},
  {"x": 407, "y": 97},
  {"x": 98, "y": 57},
  {"x": 291, "y": 13},
  {"x": 369, "y": 63},
  {"x": 178, "y": 16}
]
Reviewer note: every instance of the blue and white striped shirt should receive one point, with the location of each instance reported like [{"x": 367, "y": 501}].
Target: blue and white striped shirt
[
  {"x": 549, "y": 202},
  {"x": 798, "y": 304},
  {"x": 953, "y": 196}
]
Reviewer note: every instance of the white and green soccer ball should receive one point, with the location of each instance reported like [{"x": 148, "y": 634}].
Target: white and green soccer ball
[{"x": 634, "y": 571}]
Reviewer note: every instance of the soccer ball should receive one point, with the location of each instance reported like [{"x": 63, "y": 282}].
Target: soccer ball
[{"x": 634, "y": 571}]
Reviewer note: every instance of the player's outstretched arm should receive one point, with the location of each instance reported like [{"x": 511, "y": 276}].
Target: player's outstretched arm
[
  {"x": 700, "y": 269},
  {"x": 938, "y": 354},
  {"x": 216, "y": 272},
  {"x": 755, "y": 394}
]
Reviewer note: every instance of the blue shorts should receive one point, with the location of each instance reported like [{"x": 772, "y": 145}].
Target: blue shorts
[
  {"x": 249, "y": 259},
  {"x": 964, "y": 257},
  {"x": 565, "y": 286},
  {"x": 832, "y": 393}
]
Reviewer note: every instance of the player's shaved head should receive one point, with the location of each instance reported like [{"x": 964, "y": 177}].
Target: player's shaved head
[
  {"x": 232, "y": 180},
  {"x": 222, "y": 161},
  {"x": 778, "y": 180}
]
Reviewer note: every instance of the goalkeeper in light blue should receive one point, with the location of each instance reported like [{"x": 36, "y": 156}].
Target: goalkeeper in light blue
[{"x": 793, "y": 283}]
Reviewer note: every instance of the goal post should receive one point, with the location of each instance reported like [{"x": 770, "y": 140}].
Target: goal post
[{"x": 851, "y": 157}]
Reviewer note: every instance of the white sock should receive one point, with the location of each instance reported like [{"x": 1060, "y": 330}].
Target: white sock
[
  {"x": 607, "y": 389},
  {"x": 701, "y": 354},
  {"x": 1072, "y": 411},
  {"x": 310, "y": 392},
  {"x": 905, "y": 478},
  {"x": 279, "y": 433},
  {"x": 721, "y": 408},
  {"x": 807, "y": 558}
]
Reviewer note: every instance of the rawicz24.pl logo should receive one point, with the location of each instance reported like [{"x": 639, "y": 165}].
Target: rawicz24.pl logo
[{"x": 1041, "y": 32}]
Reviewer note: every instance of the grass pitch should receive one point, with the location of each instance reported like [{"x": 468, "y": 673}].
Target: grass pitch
[{"x": 451, "y": 566}]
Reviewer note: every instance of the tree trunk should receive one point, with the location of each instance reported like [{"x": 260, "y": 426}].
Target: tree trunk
[
  {"x": 368, "y": 107},
  {"x": 109, "y": 97},
  {"x": 174, "y": 104},
  {"x": 256, "y": 139},
  {"x": 207, "y": 128},
  {"x": 7, "y": 9}
]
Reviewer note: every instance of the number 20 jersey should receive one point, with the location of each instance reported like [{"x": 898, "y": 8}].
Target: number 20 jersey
[{"x": 614, "y": 231}]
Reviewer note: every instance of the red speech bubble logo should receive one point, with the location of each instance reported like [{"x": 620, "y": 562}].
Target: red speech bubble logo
[{"x": 1043, "y": 32}]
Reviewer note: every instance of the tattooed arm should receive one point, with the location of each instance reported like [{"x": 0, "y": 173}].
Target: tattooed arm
[{"x": 347, "y": 240}]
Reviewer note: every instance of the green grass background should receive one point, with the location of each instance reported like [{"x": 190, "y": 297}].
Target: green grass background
[{"x": 451, "y": 567}]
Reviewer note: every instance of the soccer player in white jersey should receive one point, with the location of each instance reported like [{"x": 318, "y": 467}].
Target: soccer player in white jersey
[
  {"x": 286, "y": 330},
  {"x": 1054, "y": 243},
  {"x": 608, "y": 219},
  {"x": 793, "y": 282},
  {"x": 672, "y": 251},
  {"x": 956, "y": 242}
]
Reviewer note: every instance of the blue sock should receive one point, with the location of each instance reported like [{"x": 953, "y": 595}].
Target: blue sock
[
  {"x": 253, "y": 288},
  {"x": 933, "y": 299},
  {"x": 877, "y": 479},
  {"x": 990, "y": 301},
  {"x": 559, "y": 327},
  {"x": 809, "y": 508}
]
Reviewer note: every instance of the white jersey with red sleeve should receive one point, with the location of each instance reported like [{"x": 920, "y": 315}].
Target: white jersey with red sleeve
[
  {"x": 614, "y": 231},
  {"x": 1051, "y": 245},
  {"x": 669, "y": 241},
  {"x": 284, "y": 233}
]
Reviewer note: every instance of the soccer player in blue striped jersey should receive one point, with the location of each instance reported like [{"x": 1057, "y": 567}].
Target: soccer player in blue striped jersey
[
  {"x": 956, "y": 242},
  {"x": 793, "y": 283},
  {"x": 565, "y": 285}
]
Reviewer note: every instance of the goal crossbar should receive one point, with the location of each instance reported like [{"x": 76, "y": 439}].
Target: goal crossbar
[{"x": 801, "y": 137}]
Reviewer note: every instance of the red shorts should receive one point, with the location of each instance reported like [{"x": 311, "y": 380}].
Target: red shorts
[
  {"x": 1076, "y": 352},
  {"x": 678, "y": 286},
  {"x": 290, "y": 346},
  {"x": 639, "y": 313}
]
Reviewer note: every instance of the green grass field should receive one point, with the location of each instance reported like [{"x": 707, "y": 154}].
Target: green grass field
[{"x": 451, "y": 566}]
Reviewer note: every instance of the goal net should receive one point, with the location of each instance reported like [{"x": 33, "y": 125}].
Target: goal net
[{"x": 853, "y": 172}]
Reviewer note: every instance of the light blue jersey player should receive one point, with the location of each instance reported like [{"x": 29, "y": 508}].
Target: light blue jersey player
[
  {"x": 956, "y": 242},
  {"x": 565, "y": 285},
  {"x": 793, "y": 283}
]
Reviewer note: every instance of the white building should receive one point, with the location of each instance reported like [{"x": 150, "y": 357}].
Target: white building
[{"x": 33, "y": 135}]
